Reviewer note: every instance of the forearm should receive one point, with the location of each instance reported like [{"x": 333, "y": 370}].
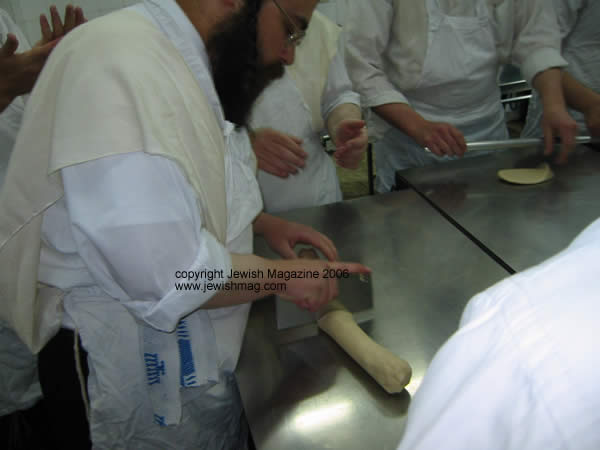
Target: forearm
[
  {"x": 577, "y": 95},
  {"x": 549, "y": 85},
  {"x": 342, "y": 112},
  {"x": 402, "y": 116}
]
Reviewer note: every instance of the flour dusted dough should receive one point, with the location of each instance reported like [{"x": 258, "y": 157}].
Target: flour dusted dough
[
  {"x": 391, "y": 372},
  {"x": 527, "y": 176}
]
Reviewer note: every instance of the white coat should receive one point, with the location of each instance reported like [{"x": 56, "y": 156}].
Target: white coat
[{"x": 522, "y": 370}]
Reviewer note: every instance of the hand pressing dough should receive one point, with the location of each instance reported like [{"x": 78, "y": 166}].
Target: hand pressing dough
[
  {"x": 391, "y": 372},
  {"x": 527, "y": 176}
]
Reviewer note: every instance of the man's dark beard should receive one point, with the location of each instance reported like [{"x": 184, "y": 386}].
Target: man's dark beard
[{"x": 238, "y": 74}]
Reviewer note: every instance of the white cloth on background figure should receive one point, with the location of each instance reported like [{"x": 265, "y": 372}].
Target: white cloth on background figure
[
  {"x": 522, "y": 370},
  {"x": 442, "y": 57},
  {"x": 150, "y": 187},
  {"x": 578, "y": 20},
  {"x": 19, "y": 385},
  {"x": 299, "y": 104},
  {"x": 10, "y": 118}
]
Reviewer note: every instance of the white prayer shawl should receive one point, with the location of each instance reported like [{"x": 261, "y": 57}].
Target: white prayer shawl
[{"x": 144, "y": 84}]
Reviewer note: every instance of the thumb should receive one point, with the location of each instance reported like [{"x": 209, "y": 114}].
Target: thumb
[{"x": 10, "y": 46}]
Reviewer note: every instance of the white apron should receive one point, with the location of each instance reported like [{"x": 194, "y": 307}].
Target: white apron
[
  {"x": 315, "y": 184},
  {"x": 458, "y": 86}
]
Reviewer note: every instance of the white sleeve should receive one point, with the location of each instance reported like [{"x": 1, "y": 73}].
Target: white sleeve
[
  {"x": 136, "y": 222},
  {"x": 475, "y": 392},
  {"x": 536, "y": 41},
  {"x": 567, "y": 12},
  {"x": 338, "y": 88},
  {"x": 366, "y": 38}
]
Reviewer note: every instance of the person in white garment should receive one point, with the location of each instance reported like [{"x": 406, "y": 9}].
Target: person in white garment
[
  {"x": 133, "y": 233},
  {"x": 19, "y": 66},
  {"x": 522, "y": 370},
  {"x": 314, "y": 97},
  {"x": 428, "y": 72},
  {"x": 578, "y": 20}
]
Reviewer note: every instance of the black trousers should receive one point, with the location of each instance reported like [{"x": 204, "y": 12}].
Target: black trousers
[{"x": 67, "y": 424}]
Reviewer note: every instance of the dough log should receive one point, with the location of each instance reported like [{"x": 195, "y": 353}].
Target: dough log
[{"x": 391, "y": 372}]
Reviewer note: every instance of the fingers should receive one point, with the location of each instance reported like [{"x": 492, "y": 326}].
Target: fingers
[
  {"x": 460, "y": 145},
  {"x": 567, "y": 135},
  {"x": 296, "y": 140},
  {"x": 444, "y": 139},
  {"x": 10, "y": 46},
  {"x": 57, "y": 25},
  {"x": 287, "y": 252},
  {"x": 320, "y": 296},
  {"x": 293, "y": 145},
  {"x": 353, "y": 125},
  {"x": 350, "y": 267},
  {"x": 70, "y": 22},
  {"x": 274, "y": 167},
  {"x": 313, "y": 293},
  {"x": 349, "y": 157},
  {"x": 79, "y": 16},
  {"x": 321, "y": 242},
  {"x": 278, "y": 153},
  {"x": 328, "y": 289},
  {"x": 46, "y": 30}
]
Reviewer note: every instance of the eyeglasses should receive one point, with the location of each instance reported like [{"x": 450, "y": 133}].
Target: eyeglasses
[{"x": 295, "y": 34}]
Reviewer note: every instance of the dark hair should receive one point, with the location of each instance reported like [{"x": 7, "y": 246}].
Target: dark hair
[{"x": 239, "y": 36}]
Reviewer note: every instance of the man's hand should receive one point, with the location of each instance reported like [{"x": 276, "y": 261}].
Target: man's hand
[
  {"x": 558, "y": 122},
  {"x": 351, "y": 141},
  {"x": 313, "y": 293},
  {"x": 73, "y": 18},
  {"x": 19, "y": 71},
  {"x": 282, "y": 236},
  {"x": 277, "y": 153},
  {"x": 441, "y": 139}
]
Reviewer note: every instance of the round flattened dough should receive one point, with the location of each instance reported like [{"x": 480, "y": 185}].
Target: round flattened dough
[{"x": 527, "y": 176}]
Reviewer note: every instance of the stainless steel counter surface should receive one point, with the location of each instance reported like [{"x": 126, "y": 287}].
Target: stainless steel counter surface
[
  {"x": 522, "y": 225},
  {"x": 309, "y": 394}
]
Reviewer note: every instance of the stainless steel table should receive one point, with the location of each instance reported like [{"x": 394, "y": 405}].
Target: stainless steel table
[
  {"x": 521, "y": 225},
  {"x": 309, "y": 394}
]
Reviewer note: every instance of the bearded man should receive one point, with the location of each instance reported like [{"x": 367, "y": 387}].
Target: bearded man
[{"x": 132, "y": 174}]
